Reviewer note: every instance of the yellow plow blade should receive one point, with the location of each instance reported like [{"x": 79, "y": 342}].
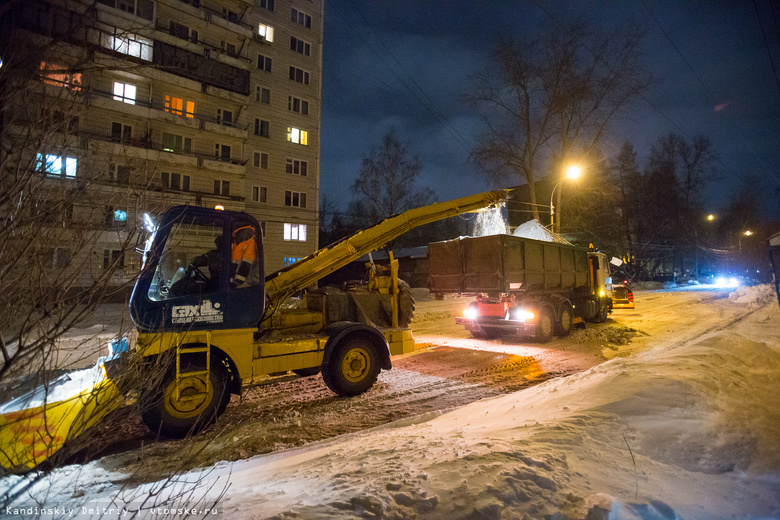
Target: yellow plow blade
[{"x": 35, "y": 426}]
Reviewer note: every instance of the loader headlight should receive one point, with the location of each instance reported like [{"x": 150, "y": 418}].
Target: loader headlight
[{"x": 602, "y": 293}]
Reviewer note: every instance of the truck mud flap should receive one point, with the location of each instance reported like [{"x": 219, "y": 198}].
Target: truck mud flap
[{"x": 35, "y": 426}]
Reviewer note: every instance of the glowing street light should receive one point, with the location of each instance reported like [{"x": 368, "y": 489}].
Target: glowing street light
[
  {"x": 573, "y": 172},
  {"x": 710, "y": 217},
  {"x": 748, "y": 233}
]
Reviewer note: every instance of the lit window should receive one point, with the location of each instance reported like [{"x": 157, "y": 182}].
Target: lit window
[
  {"x": 179, "y": 107},
  {"x": 295, "y": 232},
  {"x": 57, "y": 166},
  {"x": 128, "y": 43},
  {"x": 57, "y": 75},
  {"x": 124, "y": 92},
  {"x": 298, "y": 136},
  {"x": 266, "y": 32}
]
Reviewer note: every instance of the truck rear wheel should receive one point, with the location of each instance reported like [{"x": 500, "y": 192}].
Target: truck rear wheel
[
  {"x": 564, "y": 321},
  {"x": 545, "y": 327},
  {"x": 201, "y": 398},
  {"x": 353, "y": 367}
]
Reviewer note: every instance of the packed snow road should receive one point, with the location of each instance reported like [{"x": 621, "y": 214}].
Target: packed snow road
[{"x": 449, "y": 369}]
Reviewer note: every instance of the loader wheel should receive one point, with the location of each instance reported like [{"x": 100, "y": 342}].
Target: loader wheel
[
  {"x": 353, "y": 367},
  {"x": 405, "y": 304},
  {"x": 476, "y": 334},
  {"x": 545, "y": 326},
  {"x": 564, "y": 321},
  {"x": 196, "y": 406}
]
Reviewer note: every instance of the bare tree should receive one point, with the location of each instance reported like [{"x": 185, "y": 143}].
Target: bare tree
[
  {"x": 549, "y": 100},
  {"x": 387, "y": 182}
]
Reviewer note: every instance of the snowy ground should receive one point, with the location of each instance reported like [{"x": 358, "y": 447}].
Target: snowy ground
[{"x": 679, "y": 422}]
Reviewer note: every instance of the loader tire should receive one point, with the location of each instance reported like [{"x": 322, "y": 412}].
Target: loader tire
[
  {"x": 405, "y": 304},
  {"x": 197, "y": 406},
  {"x": 353, "y": 366}
]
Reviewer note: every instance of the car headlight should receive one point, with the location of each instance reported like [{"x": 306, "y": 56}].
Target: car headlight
[{"x": 471, "y": 313}]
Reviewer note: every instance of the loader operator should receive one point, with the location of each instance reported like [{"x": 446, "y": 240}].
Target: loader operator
[
  {"x": 244, "y": 267},
  {"x": 195, "y": 278}
]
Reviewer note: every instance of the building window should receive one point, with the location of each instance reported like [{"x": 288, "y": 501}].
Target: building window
[
  {"x": 297, "y": 105},
  {"x": 264, "y": 63},
  {"x": 178, "y": 30},
  {"x": 127, "y": 43},
  {"x": 179, "y": 107},
  {"x": 301, "y": 18},
  {"x": 295, "y": 232},
  {"x": 176, "y": 143},
  {"x": 142, "y": 8},
  {"x": 263, "y": 95},
  {"x": 113, "y": 257},
  {"x": 261, "y": 160},
  {"x": 230, "y": 49},
  {"x": 224, "y": 117},
  {"x": 115, "y": 217},
  {"x": 299, "y": 75},
  {"x": 121, "y": 133},
  {"x": 259, "y": 194},
  {"x": 265, "y": 32},
  {"x": 175, "y": 181},
  {"x": 222, "y": 188},
  {"x": 57, "y": 166},
  {"x": 300, "y": 46},
  {"x": 298, "y": 136},
  {"x": 124, "y": 92},
  {"x": 289, "y": 260},
  {"x": 261, "y": 127},
  {"x": 297, "y": 167},
  {"x": 295, "y": 199},
  {"x": 119, "y": 174},
  {"x": 59, "y": 76},
  {"x": 222, "y": 152},
  {"x": 267, "y": 4}
]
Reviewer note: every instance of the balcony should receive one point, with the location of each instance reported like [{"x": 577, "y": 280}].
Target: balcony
[{"x": 227, "y": 20}]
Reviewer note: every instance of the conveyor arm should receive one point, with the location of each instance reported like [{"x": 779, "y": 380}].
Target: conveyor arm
[{"x": 291, "y": 279}]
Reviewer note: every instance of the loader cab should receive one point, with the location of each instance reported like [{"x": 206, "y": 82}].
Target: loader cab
[{"x": 202, "y": 270}]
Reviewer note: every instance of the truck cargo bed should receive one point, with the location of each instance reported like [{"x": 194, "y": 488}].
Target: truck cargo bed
[{"x": 498, "y": 264}]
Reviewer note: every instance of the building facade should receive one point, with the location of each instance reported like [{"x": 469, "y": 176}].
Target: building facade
[{"x": 139, "y": 105}]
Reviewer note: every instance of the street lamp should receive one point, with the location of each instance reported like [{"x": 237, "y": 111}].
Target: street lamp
[
  {"x": 573, "y": 172},
  {"x": 710, "y": 218}
]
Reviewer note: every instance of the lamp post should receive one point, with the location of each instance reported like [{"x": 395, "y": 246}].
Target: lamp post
[
  {"x": 710, "y": 218},
  {"x": 572, "y": 172}
]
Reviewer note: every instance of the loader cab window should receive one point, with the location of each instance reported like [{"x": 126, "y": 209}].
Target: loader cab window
[
  {"x": 244, "y": 255},
  {"x": 192, "y": 261}
]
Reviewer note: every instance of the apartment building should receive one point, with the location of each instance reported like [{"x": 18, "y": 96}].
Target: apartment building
[{"x": 153, "y": 103}]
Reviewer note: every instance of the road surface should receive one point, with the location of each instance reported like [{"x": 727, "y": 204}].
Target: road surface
[{"x": 449, "y": 369}]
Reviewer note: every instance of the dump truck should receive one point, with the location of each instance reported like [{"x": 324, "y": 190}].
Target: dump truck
[
  {"x": 522, "y": 286},
  {"x": 208, "y": 321}
]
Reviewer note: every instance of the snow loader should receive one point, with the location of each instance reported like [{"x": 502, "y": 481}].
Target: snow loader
[
  {"x": 522, "y": 286},
  {"x": 202, "y": 334}
]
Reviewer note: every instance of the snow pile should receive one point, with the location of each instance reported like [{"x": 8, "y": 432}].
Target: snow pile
[
  {"x": 758, "y": 294},
  {"x": 535, "y": 230}
]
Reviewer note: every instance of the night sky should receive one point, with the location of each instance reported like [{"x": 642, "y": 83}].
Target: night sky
[{"x": 405, "y": 65}]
